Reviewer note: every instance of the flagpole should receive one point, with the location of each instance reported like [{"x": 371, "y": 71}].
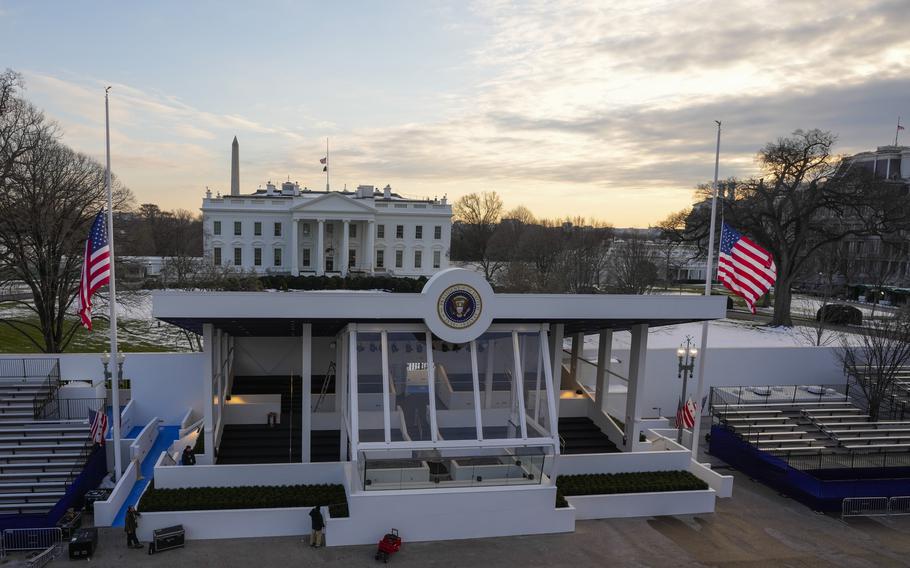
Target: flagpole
[
  {"x": 897, "y": 130},
  {"x": 699, "y": 389},
  {"x": 327, "y": 163},
  {"x": 112, "y": 302}
]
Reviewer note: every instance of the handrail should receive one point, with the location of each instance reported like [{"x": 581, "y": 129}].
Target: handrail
[
  {"x": 330, "y": 373},
  {"x": 52, "y": 385},
  {"x": 84, "y": 454}
]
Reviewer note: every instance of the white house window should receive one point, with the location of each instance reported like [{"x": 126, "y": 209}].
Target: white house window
[
  {"x": 306, "y": 257},
  {"x": 352, "y": 258},
  {"x": 437, "y": 232},
  {"x": 380, "y": 231},
  {"x": 306, "y": 229},
  {"x": 238, "y": 228},
  {"x": 257, "y": 228},
  {"x": 330, "y": 228},
  {"x": 399, "y": 258},
  {"x": 418, "y": 232},
  {"x": 399, "y": 231},
  {"x": 352, "y": 231},
  {"x": 380, "y": 259},
  {"x": 238, "y": 256},
  {"x": 277, "y": 229},
  {"x": 216, "y": 256},
  {"x": 437, "y": 258},
  {"x": 257, "y": 256},
  {"x": 418, "y": 258},
  {"x": 277, "y": 259},
  {"x": 216, "y": 228}
]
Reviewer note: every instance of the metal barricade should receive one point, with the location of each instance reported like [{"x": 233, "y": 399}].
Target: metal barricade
[
  {"x": 43, "y": 558},
  {"x": 899, "y": 506},
  {"x": 864, "y": 507},
  {"x": 31, "y": 539}
]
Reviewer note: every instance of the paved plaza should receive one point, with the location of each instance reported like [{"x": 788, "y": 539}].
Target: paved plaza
[{"x": 757, "y": 527}]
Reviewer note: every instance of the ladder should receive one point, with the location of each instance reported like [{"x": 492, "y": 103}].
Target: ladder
[{"x": 329, "y": 374}]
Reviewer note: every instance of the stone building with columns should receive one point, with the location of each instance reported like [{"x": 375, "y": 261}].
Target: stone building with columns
[{"x": 304, "y": 232}]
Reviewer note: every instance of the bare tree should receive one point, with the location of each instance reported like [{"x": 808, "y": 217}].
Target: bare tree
[
  {"x": 672, "y": 229},
  {"x": 633, "y": 269},
  {"x": 479, "y": 215},
  {"x": 874, "y": 363},
  {"x": 49, "y": 195}
]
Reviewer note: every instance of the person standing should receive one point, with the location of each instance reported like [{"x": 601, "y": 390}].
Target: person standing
[
  {"x": 317, "y": 537},
  {"x": 188, "y": 457},
  {"x": 130, "y": 525}
]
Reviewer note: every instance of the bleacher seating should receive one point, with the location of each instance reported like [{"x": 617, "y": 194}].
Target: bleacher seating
[{"x": 38, "y": 459}]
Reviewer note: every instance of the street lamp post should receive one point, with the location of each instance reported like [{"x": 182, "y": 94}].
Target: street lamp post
[
  {"x": 686, "y": 356},
  {"x": 115, "y": 401}
]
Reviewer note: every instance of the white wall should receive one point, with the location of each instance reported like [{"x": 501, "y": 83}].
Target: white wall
[
  {"x": 244, "y": 475},
  {"x": 106, "y": 511},
  {"x": 144, "y": 441},
  {"x": 162, "y": 384},
  {"x": 625, "y": 505}
]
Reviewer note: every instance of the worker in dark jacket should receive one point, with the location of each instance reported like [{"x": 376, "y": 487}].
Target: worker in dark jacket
[
  {"x": 130, "y": 525},
  {"x": 188, "y": 457},
  {"x": 317, "y": 537}
]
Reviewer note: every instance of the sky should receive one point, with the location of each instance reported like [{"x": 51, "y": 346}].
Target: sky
[{"x": 596, "y": 109}]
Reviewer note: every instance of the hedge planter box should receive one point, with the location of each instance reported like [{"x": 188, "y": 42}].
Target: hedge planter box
[{"x": 623, "y": 505}]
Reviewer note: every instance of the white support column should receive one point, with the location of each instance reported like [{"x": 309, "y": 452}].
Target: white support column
[
  {"x": 488, "y": 378},
  {"x": 552, "y": 393},
  {"x": 208, "y": 345},
  {"x": 320, "y": 247},
  {"x": 345, "y": 246},
  {"x": 431, "y": 386},
  {"x": 578, "y": 341},
  {"x": 306, "y": 373},
  {"x": 518, "y": 381},
  {"x": 555, "y": 375},
  {"x": 341, "y": 391},
  {"x": 295, "y": 248},
  {"x": 635, "y": 398},
  {"x": 604, "y": 354},
  {"x": 386, "y": 416},
  {"x": 352, "y": 387},
  {"x": 369, "y": 253},
  {"x": 478, "y": 415}
]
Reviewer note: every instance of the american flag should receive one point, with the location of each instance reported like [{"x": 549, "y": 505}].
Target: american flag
[
  {"x": 99, "y": 427},
  {"x": 743, "y": 267},
  {"x": 685, "y": 416},
  {"x": 96, "y": 268}
]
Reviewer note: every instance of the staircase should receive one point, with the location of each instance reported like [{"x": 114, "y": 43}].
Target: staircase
[
  {"x": 260, "y": 443},
  {"x": 38, "y": 458},
  {"x": 582, "y": 436}
]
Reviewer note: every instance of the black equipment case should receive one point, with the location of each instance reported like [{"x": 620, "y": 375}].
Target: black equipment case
[
  {"x": 83, "y": 543},
  {"x": 166, "y": 539}
]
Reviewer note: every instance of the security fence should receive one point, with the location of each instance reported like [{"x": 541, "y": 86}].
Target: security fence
[
  {"x": 875, "y": 506},
  {"x": 18, "y": 540}
]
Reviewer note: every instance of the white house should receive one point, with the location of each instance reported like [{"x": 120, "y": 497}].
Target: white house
[{"x": 301, "y": 231}]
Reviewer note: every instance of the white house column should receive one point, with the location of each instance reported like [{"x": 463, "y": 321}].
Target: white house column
[
  {"x": 635, "y": 399},
  {"x": 306, "y": 372},
  {"x": 208, "y": 345},
  {"x": 369, "y": 253},
  {"x": 345, "y": 246},
  {"x": 573, "y": 382},
  {"x": 320, "y": 247},
  {"x": 295, "y": 250},
  {"x": 604, "y": 354}
]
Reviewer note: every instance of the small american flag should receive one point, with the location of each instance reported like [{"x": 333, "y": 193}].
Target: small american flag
[
  {"x": 99, "y": 427},
  {"x": 743, "y": 267},
  {"x": 96, "y": 268},
  {"x": 685, "y": 416}
]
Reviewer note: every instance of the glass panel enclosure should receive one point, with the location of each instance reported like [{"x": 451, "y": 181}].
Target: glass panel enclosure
[
  {"x": 534, "y": 387},
  {"x": 369, "y": 388},
  {"x": 462, "y": 467},
  {"x": 410, "y": 376},
  {"x": 454, "y": 391},
  {"x": 498, "y": 393}
]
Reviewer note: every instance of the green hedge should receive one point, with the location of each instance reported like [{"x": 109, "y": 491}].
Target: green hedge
[
  {"x": 388, "y": 283},
  {"x": 638, "y": 482},
  {"x": 258, "y": 497}
]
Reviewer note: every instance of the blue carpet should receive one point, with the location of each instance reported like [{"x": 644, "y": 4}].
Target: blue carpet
[{"x": 166, "y": 436}]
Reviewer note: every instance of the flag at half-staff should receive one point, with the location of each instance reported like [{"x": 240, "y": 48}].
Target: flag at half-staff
[
  {"x": 99, "y": 426},
  {"x": 96, "y": 268},
  {"x": 745, "y": 268},
  {"x": 685, "y": 415}
]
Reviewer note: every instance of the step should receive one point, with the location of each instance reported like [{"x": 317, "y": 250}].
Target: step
[
  {"x": 38, "y": 458},
  {"x": 24, "y": 508},
  {"x": 32, "y": 438},
  {"x": 31, "y": 497},
  {"x": 37, "y": 476},
  {"x": 55, "y": 466},
  {"x": 52, "y": 448},
  {"x": 38, "y": 428},
  {"x": 23, "y": 486}
]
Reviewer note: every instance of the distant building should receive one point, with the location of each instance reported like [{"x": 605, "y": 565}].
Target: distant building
[{"x": 296, "y": 230}]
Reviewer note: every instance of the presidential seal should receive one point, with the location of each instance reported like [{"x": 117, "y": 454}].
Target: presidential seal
[{"x": 459, "y": 306}]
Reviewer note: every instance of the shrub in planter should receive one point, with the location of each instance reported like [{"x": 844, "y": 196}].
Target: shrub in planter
[
  {"x": 636, "y": 482},
  {"x": 258, "y": 497}
]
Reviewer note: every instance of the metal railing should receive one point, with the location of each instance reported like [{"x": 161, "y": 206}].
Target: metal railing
[
  {"x": 43, "y": 558},
  {"x": 31, "y": 539},
  {"x": 70, "y": 408},
  {"x": 30, "y": 367},
  {"x": 875, "y": 506},
  {"x": 780, "y": 394}
]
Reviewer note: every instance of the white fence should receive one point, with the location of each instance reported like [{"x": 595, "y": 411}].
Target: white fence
[
  {"x": 875, "y": 506},
  {"x": 31, "y": 539}
]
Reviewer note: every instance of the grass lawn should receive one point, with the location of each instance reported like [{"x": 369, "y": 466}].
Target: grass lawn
[{"x": 133, "y": 336}]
